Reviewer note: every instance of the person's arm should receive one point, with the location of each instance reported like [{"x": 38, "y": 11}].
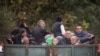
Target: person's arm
[
  {"x": 44, "y": 32},
  {"x": 84, "y": 40},
  {"x": 62, "y": 29},
  {"x": 88, "y": 35}
]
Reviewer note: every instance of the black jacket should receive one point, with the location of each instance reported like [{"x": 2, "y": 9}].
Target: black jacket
[
  {"x": 38, "y": 33},
  {"x": 63, "y": 41},
  {"x": 56, "y": 29},
  {"x": 17, "y": 39}
]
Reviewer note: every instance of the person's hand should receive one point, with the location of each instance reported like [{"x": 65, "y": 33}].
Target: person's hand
[
  {"x": 44, "y": 44},
  {"x": 33, "y": 42},
  {"x": 10, "y": 40},
  {"x": 91, "y": 36}
]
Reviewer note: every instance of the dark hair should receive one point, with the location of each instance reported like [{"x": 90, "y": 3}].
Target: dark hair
[
  {"x": 21, "y": 30},
  {"x": 22, "y": 25},
  {"x": 59, "y": 19}
]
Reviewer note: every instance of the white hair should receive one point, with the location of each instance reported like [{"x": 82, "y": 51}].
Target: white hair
[
  {"x": 74, "y": 37},
  {"x": 49, "y": 35},
  {"x": 40, "y": 22}
]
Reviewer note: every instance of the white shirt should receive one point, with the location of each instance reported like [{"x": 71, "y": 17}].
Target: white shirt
[
  {"x": 62, "y": 29},
  {"x": 1, "y": 49}
]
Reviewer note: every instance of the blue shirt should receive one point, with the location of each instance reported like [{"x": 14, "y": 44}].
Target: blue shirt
[{"x": 82, "y": 35}]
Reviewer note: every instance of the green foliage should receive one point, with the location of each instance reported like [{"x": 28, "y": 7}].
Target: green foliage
[
  {"x": 73, "y": 12},
  {"x": 6, "y": 22},
  {"x": 85, "y": 25}
]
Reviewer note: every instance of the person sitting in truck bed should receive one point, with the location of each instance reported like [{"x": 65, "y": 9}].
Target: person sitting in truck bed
[
  {"x": 20, "y": 37},
  {"x": 83, "y": 35},
  {"x": 39, "y": 32}
]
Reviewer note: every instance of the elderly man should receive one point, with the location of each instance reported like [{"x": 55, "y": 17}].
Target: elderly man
[
  {"x": 39, "y": 32},
  {"x": 74, "y": 40},
  {"x": 66, "y": 39}
]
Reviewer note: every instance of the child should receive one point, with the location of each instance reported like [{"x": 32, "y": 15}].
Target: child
[{"x": 50, "y": 40}]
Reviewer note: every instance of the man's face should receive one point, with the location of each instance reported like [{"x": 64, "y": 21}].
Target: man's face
[
  {"x": 78, "y": 29},
  {"x": 42, "y": 24},
  {"x": 73, "y": 40},
  {"x": 68, "y": 34}
]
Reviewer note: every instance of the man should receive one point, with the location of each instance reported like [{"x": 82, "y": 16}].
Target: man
[
  {"x": 24, "y": 25},
  {"x": 66, "y": 39},
  {"x": 74, "y": 40},
  {"x": 58, "y": 28},
  {"x": 83, "y": 35},
  {"x": 21, "y": 25},
  {"x": 18, "y": 39},
  {"x": 39, "y": 32}
]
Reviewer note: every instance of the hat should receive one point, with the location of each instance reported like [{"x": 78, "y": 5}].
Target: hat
[
  {"x": 49, "y": 39},
  {"x": 59, "y": 19}
]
